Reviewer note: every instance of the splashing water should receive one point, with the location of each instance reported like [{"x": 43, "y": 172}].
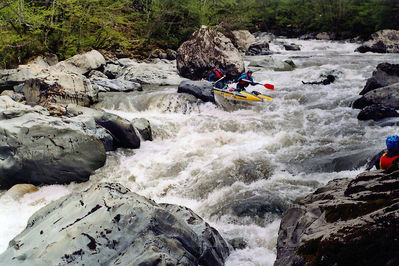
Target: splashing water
[{"x": 240, "y": 169}]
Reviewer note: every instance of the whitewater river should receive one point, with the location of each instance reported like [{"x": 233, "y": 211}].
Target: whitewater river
[{"x": 240, "y": 169}]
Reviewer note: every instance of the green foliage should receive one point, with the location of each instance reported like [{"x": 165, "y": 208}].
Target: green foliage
[{"x": 136, "y": 27}]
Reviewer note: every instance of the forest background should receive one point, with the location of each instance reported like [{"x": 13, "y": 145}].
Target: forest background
[{"x": 135, "y": 28}]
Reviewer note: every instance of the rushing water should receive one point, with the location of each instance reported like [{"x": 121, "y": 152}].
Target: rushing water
[{"x": 240, "y": 169}]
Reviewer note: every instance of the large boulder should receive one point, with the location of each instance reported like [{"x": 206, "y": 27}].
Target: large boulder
[
  {"x": 346, "y": 222},
  {"x": 208, "y": 47},
  {"x": 201, "y": 89},
  {"x": 269, "y": 62},
  {"x": 387, "y": 96},
  {"x": 108, "y": 225},
  {"x": 122, "y": 130},
  {"x": 383, "y": 41},
  {"x": 384, "y": 75},
  {"x": 242, "y": 40},
  {"x": 81, "y": 63},
  {"x": 36, "y": 148},
  {"x": 56, "y": 87},
  {"x": 260, "y": 47},
  {"x": 377, "y": 112},
  {"x": 105, "y": 84},
  {"x": 157, "y": 72},
  {"x": 14, "y": 77}
]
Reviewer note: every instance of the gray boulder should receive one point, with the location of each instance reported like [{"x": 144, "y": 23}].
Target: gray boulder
[
  {"x": 200, "y": 89},
  {"x": 346, "y": 222},
  {"x": 36, "y": 148},
  {"x": 14, "y": 77},
  {"x": 208, "y": 47},
  {"x": 105, "y": 85},
  {"x": 143, "y": 127},
  {"x": 56, "y": 87},
  {"x": 377, "y": 112},
  {"x": 383, "y": 41},
  {"x": 269, "y": 62},
  {"x": 156, "y": 71},
  {"x": 109, "y": 225},
  {"x": 384, "y": 75},
  {"x": 122, "y": 131},
  {"x": 81, "y": 63},
  {"x": 292, "y": 47},
  {"x": 260, "y": 47},
  {"x": 387, "y": 96},
  {"x": 242, "y": 40}
]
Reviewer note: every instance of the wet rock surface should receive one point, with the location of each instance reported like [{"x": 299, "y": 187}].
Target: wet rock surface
[
  {"x": 200, "y": 89},
  {"x": 346, "y": 222},
  {"x": 36, "y": 148},
  {"x": 108, "y": 225},
  {"x": 380, "y": 98},
  {"x": 384, "y": 75},
  {"x": 383, "y": 41}
]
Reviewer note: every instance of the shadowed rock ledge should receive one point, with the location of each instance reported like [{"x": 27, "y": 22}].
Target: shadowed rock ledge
[{"x": 347, "y": 222}]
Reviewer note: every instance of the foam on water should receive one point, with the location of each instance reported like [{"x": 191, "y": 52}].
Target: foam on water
[{"x": 240, "y": 169}]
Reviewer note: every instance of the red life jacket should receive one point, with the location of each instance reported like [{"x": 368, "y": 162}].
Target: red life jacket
[
  {"x": 386, "y": 162},
  {"x": 218, "y": 73}
]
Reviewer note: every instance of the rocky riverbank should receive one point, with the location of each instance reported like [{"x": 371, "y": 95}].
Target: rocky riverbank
[
  {"x": 61, "y": 137},
  {"x": 347, "y": 222}
]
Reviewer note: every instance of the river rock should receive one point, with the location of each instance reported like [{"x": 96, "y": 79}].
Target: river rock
[
  {"x": 260, "y": 47},
  {"x": 55, "y": 87},
  {"x": 36, "y": 148},
  {"x": 81, "y": 63},
  {"x": 122, "y": 131},
  {"x": 292, "y": 47},
  {"x": 13, "y": 77},
  {"x": 383, "y": 41},
  {"x": 377, "y": 112},
  {"x": 266, "y": 36},
  {"x": 143, "y": 127},
  {"x": 111, "y": 70},
  {"x": 325, "y": 36},
  {"x": 387, "y": 96},
  {"x": 201, "y": 89},
  {"x": 208, "y": 47},
  {"x": 171, "y": 54},
  {"x": 109, "y": 225},
  {"x": 384, "y": 75},
  {"x": 157, "y": 72},
  {"x": 105, "y": 85},
  {"x": 346, "y": 222},
  {"x": 308, "y": 36},
  {"x": 242, "y": 40},
  {"x": 269, "y": 62},
  {"x": 18, "y": 97}
]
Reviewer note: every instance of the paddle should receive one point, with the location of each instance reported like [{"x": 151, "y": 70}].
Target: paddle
[{"x": 267, "y": 86}]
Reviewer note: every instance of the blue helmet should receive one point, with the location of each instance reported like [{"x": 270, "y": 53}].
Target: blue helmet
[
  {"x": 396, "y": 140},
  {"x": 391, "y": 142}
]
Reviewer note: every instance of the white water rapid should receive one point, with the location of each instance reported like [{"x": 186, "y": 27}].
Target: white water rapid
[{"x": 241, "y": 169}]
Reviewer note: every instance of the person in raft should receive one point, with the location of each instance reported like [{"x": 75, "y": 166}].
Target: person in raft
[
  {"x": 390, "y": 155},
  {"x": 218, "y": 75},
  {"x": 244, "y": 80}
]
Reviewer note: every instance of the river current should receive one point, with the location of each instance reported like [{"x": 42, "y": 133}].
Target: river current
[{"x": 240, "y": 169}]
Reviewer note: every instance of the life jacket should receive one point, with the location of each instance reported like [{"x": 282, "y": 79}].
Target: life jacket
[
  {"x": 386, "y": 162},
  {"x": 219, "y": 74}
]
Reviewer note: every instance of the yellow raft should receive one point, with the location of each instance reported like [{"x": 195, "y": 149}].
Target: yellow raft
[{"x": 243, "y": 96}]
